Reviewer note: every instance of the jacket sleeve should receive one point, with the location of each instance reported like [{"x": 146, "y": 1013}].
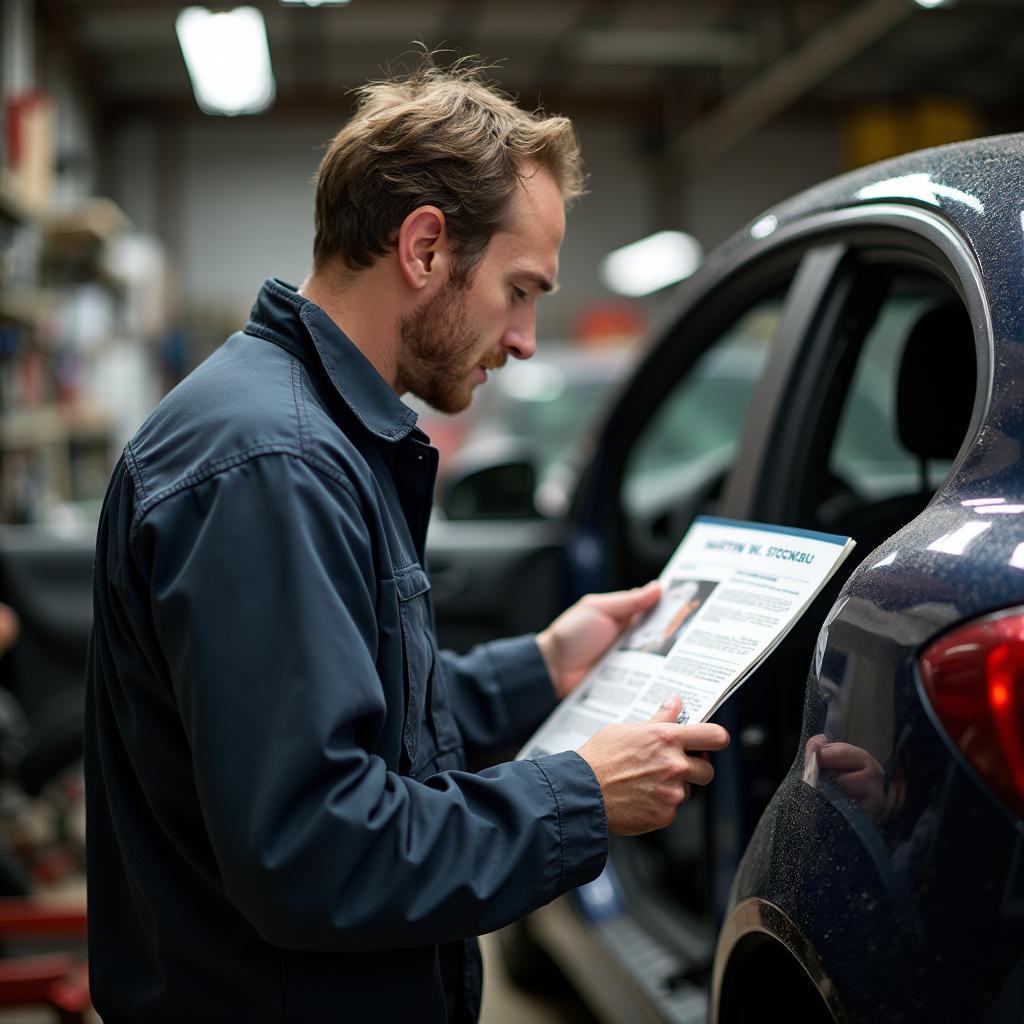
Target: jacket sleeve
[
  {"x": 263, "y": 596},
  {"x": 500, "y": 692}
]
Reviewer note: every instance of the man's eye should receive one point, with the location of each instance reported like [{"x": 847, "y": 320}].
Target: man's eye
[{"x": 519, "y": 294}]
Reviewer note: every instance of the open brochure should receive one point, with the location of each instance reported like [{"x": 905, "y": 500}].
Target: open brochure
[{"x": 729, "y": 594}]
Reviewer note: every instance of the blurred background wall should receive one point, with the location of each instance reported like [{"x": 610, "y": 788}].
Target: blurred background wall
[{"x": 136, "y": 223}]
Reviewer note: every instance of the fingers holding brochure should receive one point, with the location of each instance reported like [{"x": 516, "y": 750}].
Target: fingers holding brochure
[
  {"x": 646, "y": 769},
  {"x": 728, "y": 595},
  {"x": 726, "y": 598}
]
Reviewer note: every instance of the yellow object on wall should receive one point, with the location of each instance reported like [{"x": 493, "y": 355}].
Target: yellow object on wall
[{"x": 877, "y": 131}]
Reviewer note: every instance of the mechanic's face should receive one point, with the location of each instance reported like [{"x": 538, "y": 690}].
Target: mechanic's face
[{"x": 450, "y": 342}]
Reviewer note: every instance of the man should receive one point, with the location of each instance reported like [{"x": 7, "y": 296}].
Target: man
[{"x": 280, "y": 824}]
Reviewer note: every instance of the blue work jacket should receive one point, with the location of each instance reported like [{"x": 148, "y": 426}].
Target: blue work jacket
[{"x": 280, "y": 826}]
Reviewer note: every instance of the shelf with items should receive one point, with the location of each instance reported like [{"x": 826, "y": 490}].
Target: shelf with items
[
  {"x": 51, "y": 456},
  {"x": 75, "y": 243},
  {"x": 22, "y": 429},
  {"x": 60, "y": 318},
  {"x": 13, "y": 208},
  {"x": 19, "y": 245},
  {"x": 25, "y": 306}
]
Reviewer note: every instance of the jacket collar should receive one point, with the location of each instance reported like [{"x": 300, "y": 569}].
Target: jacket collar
[{"x": 286, "y": 318}]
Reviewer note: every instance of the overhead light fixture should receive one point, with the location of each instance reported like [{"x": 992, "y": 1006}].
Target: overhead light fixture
[
  {"x": 228, "y": 59},
  {"x": 929, "y": 5},
  {"x": 314, "y": 3},
  {"x": 651, "y": 264}
]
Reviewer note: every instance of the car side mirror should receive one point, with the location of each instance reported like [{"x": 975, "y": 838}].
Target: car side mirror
[{"x": 494, "y": 479}]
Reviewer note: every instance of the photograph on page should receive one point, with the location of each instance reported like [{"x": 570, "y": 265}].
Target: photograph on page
[{"x": 730, "y": 592}]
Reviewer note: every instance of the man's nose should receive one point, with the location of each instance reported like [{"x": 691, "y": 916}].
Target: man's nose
[{"x": 520, "y": 342}]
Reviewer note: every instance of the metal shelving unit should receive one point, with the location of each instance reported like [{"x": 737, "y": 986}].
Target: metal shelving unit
[{"x": 54, "y": 444}]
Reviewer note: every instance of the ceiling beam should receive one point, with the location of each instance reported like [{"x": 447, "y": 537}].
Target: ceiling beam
[
  {"x": 785, "y": 81},
  {"x": 339, "y": 105}
]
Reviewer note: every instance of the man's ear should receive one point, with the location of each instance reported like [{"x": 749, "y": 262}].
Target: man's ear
[{"x": 423, "y": 247}]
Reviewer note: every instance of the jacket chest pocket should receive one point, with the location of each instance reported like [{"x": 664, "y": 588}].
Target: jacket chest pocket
[{"x": 429, "y": 730}]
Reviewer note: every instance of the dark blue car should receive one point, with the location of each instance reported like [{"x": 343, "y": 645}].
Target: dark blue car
[{"x": 860, "y": 855}]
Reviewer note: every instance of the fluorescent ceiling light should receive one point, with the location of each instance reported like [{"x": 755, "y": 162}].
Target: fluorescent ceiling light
[
  {"x": 651, "y": 264},
  {"x": 314, "y": 3},
  {"x": 930, "y": 4},
  {"x": 228, "y": 59}
]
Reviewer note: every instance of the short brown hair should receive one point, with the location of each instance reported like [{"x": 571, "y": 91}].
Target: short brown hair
[{"x": 442, "y": 137}]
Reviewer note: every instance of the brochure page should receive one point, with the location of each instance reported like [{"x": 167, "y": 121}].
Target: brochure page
[{"x": 729, "y": 594}]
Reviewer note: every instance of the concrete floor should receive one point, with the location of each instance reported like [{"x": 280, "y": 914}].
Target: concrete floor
[{"x": 506, "y": 1004}]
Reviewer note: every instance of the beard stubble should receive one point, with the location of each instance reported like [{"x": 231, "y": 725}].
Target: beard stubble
[{"x": 438, "y": 351}]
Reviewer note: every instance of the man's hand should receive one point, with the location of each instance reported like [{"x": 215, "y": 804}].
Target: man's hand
[
  {"x": 853, "y": 769},
  {"x": 646, "y": 769},
  {"x": 581, "y": 634}
]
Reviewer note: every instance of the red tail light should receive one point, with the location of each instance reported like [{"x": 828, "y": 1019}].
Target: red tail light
[{"x": 974, "y": 678}]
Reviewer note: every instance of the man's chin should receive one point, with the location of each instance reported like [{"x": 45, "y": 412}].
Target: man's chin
[{"x": 451, "y": 403}]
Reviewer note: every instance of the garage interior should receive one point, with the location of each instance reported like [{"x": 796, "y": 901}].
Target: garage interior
[{"x": 135, "y": 228}]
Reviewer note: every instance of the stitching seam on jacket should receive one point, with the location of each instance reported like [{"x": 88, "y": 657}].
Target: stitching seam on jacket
[
  {"x": 135, "y": 470},
  {"x": 289, "y": 296},
  {"x": 561, "y": 830},
  {"x": 253, "y": 327},
  {"x": 300, "y": 405},
  {"x": 239, "y": 458}
]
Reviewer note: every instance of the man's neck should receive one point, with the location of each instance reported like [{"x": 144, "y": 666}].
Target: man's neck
[{"x": 361, "y": 304}]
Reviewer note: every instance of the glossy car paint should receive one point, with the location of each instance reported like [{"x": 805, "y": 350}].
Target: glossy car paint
[{"x": 911, "y": 897}]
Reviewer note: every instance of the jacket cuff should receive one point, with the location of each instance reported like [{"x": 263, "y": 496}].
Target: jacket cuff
[
  {"x": 526, "y": 688},
  {"x": 582, "y": 821}
]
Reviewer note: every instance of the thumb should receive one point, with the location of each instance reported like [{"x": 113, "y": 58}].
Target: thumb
[
  {"x": 623, "y": 604},
  {"x": 669, "y": 710}
]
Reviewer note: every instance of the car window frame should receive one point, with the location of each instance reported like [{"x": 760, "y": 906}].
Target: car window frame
[
  {"x": 812, "y": 251},
  {"x": 766, "y": 479},
  {"x": 707, "y": 305}
]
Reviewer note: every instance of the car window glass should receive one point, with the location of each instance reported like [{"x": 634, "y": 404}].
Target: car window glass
[
  {"x": 898, "y": 413},
  {"x": 552, "y": 413},
  {"x": 544, "y": 404},
  {"x": 691, "y": 438},
  {"x": 867, "y": 453}
]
